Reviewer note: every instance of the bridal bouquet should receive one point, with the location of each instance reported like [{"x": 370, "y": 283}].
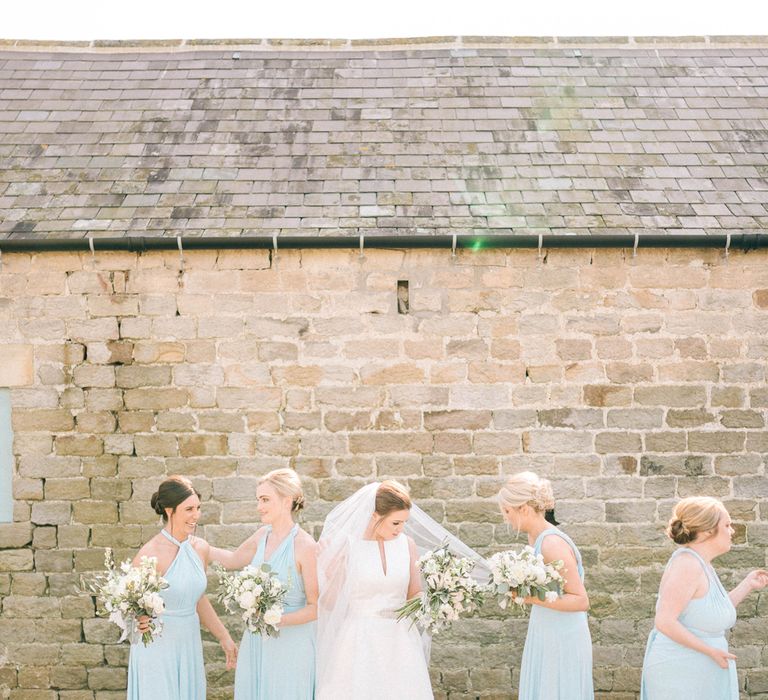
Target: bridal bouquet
[
  {"x": 449, "y": 591},
  {"x": 516, "y": 575},
  {"x": 256, "y": 594},
  {"x": 128, "y": 592}
]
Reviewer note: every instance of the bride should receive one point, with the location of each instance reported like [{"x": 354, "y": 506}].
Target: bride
[{"x": 367, "y": 570}]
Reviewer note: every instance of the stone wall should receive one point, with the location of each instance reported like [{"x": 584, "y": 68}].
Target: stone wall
[{"x": 630, "y": 382}]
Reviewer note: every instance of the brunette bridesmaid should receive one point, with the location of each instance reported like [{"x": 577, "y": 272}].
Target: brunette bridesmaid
[{"x": 171, "y": 667}]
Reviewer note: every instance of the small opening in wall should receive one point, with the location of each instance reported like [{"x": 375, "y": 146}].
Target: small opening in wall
[{"x": 403, "y": 300}]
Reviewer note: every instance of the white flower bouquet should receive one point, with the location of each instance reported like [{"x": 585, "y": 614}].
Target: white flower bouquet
[
  {"x": 129, "y": 592},
  {"x": 254, "y": 593},
  {"x": 449, "y": 591},
  {"x": 518, "y": 575}
]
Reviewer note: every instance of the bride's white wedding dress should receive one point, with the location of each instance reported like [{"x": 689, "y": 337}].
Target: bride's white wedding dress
[{"x": 375, "y": 656}]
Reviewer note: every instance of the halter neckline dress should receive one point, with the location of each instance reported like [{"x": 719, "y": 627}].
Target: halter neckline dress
[{"x": 171, "y": 667}]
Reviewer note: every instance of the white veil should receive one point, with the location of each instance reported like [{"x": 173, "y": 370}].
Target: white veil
[{"x": 346, "y": 524}]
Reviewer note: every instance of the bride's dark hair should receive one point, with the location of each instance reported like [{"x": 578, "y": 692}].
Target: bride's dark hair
[{"x": 391, "y": 496}]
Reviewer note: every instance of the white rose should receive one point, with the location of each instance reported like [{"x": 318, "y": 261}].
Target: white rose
[
  {"x": 551, "y": 596},
  {"x": 156, "y": 603},
  {"x": 448, "y": 612},
  {"x": 273, "y": 617},
  {"x": 246, "y": 599}
]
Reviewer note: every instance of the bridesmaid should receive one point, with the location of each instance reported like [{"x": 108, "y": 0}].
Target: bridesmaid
[
  {"x": 557, "y": 657},
  {"x": 171, "y": 667},
  {"x": 280, "y": 667},
  {"x": 687, "y": 653}
]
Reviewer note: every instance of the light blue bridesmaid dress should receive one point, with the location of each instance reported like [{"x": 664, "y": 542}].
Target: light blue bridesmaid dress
[
  {"x": 672, "y": 671},
  {"x": 557, "y": 658},
  {"x": 282, "y": 667},
  {"x": 171, "y": 667}
]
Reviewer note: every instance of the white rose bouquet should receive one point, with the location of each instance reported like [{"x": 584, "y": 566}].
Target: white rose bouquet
[
  {"x": 517, "y": 575},
  {"x": 129, "y": 592},
  {"x": 449, "y": 591},
  {"x": 256, "y": 594}
]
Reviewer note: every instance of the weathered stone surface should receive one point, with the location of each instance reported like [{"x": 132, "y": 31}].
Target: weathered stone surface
[
  {"x": 17, "y": 365},
  {"x": 447, "y": 401}
]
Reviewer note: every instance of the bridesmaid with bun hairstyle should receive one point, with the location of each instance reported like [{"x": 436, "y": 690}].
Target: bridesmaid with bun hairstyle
[
  {"x": 557, "y": 657},
  {"x": 171, "y": 667},
  {"x": 687, "y": 653}
]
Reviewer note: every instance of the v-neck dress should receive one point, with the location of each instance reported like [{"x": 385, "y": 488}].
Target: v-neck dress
[
  {"x": 377, "y": 657},
  {"x": 672, "y": 671},
  {"x": 282, "y": 667},
  {"x": 171, "y": 667}
]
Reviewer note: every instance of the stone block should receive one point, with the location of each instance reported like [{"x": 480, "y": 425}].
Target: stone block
[
  {"x": 671, "y": 396},
  {"x": 54, "y": 560},
  {"x": 718, "y": 442},
  {"x": 137, "y": 375},
  {"x": 92, "y": 512},
  {"x": 16, "y": 560},
  {"x": 557, "y": 441},
  {"x": 683, "y": 465},
  {"x": 101, "y": 376},
  {"x": 15, "y": 535},
  {"x": 17, "y": 365},
  {"x": 496, "y": 443},
  {"x": 361, "y": 443},
  {"x": 418, "y": 396},
  {"x": 742, "y": 419},
  {"x": 97, "y": 422},
  {"x": 689, "y": 418},
  {"x": 666, "y": 442},
  {"x": 51, "y": 513},
  {"x": 155, "y": 445},
  {"x": 71, "y": 489},
  {"x": 636, "y": 511},
  {"x": 155, "y": 399},
  {"x": 453, "y": 443},
  {"x": 252, "y": 397},
  {"x": 570, "y": 418},
  {"x": 607, "y": 395},
  {"x": 152, "y": 353},
  {"x": 79, "y": 445},
  {"x": 46, "y": 420},
  {"x": 473, "y": 465}
]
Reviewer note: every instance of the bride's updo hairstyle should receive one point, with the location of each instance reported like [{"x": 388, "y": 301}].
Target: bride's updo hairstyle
[
  {"x": 287, "y": 483},
  {"x": 172, "y": 492},
  {"x": 391, "y": 496},
  {"x": 692, "y": 516},
  {"x": 526, "y": 488}
]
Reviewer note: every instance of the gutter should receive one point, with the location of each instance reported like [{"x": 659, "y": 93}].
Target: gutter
[{"x": 141, "y": 244}]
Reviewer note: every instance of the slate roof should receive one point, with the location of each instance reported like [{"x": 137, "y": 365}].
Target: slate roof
[{"x": 336, "y": 139}]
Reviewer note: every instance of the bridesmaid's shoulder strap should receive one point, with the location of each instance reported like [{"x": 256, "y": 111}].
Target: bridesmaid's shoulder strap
[
  {"x": 688, "y": 550},
  {"x": 171, "y": 538},
  {"x": 568, "y": 541}
]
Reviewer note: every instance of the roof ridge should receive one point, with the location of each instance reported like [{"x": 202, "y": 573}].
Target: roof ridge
[{"x": 423, "y": 42}]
